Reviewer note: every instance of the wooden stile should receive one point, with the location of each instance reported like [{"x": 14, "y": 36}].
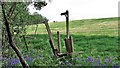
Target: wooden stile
[
  {"x": 58, "y": 34},
  {"x": 51, "y": 39}
]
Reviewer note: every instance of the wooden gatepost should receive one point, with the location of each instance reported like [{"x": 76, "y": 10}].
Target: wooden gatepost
[
  {"x": 68, "y": 39},
  {"x": 54, "y": 49}
]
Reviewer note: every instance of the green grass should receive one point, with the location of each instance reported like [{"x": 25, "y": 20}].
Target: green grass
[
  {"x": 97, "y": 38},
  {"x": 102, "y": 26},
  {"x": 100, "y": 47}
]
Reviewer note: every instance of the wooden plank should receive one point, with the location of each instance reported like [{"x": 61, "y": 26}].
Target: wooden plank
[
  {"x": 71, "y": 43},
  {"x": 58, "y": 34},
  {"x": 54, "y": 49},
  {"x": 69, "y": 49},
  {"x": 50, "y": 34},
  {"x": 68, "y": 44},
  {"x": 65, "y": 54},
  {"x": 67, "y": 23}
]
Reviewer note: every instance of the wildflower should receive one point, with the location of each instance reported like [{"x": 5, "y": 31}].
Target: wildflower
[
  {"x": 1, "y": 58},
  {"x": 29, "y": 59},
  {"x": 98, "y": 61},
  {"x": 67, "y": 63},
  {"x": 109, "y": 60},
  {"x": 115, "y": 66},
  {"x": 14, "y": 61},
  {"x": 90, "y": 59},
  {"x": 40, "y": 56},
  {"x": 77, "y": 58}
]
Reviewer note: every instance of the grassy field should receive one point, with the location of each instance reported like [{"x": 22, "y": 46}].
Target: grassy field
[
  {"x": 103, "y": 48},
  {"x": 103, "y": 26},
  {"x": 97, "y": 38}
]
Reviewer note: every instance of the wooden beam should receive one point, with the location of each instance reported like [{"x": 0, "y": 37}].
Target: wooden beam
[
  {"x": 71, "y": 43},
  {"x": 53, "y": 49},
  {"x": 51, "y": 38},
  {"x": 58, "y": 34},
  {"x": 68, "y": 45},
  {"x": 67, "y": 23},
  {"x": 69, "y": 48},
  {"x": 65, "y": 54}
]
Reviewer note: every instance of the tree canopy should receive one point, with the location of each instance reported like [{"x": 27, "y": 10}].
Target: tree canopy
[{"x": 16, "y": 17}]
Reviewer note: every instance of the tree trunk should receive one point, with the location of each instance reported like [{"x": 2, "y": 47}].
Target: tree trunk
[{"x": 11, "y": 43}]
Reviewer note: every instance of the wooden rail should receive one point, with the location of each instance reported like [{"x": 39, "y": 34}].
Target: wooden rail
[
  {"x": 58, "y": 34},
  {"x": 51, "y": 39}
]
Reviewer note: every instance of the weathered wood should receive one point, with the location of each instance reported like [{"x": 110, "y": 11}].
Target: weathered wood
[
  {"x": 11, "y": 43},
  {"x": 67, "y": 22},
  {"x": 68, "y": 46},
  {"x": 66, "y": 54},
  {"x": 71, "y": 43},
  {"x": 53, "y": 49},
  {"x": 51, "y": 38},
  {"x": 58, "y": 34},
  {"x": 61, "y": 55}
]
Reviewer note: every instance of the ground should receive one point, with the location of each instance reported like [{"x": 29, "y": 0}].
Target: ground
[{"x": 97, "y": 38}]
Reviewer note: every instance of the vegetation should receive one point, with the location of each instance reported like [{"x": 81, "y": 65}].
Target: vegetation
[
  {"x": 103, "y": 26},
  {"x": 100, "y": 48},
  {"x": 96, "y": 38},
  {"x": 15, "y": 16}
]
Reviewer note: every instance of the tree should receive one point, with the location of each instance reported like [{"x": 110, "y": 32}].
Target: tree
[{"x": 16, "y": 15}]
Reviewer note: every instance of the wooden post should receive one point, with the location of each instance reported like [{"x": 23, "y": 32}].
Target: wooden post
[
  {"x": 53, "y": 49},
  {"x": 68, "y": 45},
  {"x": 71, "y": 43},
  {"x": 68, "y": 48},
  {"x": 67, "y": 23},
  {"x": 68, "y": 40},
  {"x": 58, "y": 34},
  {"x": 51, "y": 38}
]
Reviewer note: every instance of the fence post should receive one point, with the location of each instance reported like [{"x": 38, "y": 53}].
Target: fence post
[
  {"x": 51, "y": 39},
  {"x": 58, "y": 34}
]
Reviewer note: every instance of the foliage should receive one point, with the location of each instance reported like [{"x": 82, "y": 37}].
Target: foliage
[
  {"x": 39, "y": 5},
  {"x": 17, "y": 16},
  {"x": 98, "y": 51}
]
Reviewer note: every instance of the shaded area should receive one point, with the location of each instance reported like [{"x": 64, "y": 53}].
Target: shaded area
[
  {"x": 95, "y": 46},
  {"x": 98, "y": 51}
]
